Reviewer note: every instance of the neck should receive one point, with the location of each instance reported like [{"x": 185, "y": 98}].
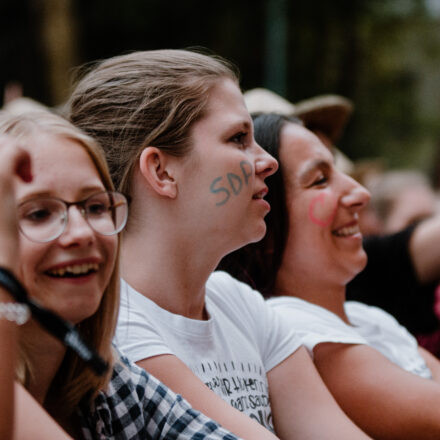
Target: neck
[
  {"x": 298, "y": 282},
  {"x": 45, "y": 355},
  {"x": 171, "y": 269}
]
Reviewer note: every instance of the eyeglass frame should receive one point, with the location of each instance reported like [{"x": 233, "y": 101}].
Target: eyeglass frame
[{"x": 81, "y": 204}]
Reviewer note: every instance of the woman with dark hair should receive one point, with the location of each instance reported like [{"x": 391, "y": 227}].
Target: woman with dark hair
[{"x": 312, "y": 249}]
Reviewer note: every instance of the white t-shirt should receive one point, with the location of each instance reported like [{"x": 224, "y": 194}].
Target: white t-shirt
[
  {"x": 369, "y": 325},
  {"x": 231, "y": 352}
]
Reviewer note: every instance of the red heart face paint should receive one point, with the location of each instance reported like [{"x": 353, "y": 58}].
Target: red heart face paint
[{"x": 322, "y": 209}]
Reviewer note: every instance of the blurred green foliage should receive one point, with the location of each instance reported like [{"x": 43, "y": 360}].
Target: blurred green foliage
[{"x": 382, "y": 54}]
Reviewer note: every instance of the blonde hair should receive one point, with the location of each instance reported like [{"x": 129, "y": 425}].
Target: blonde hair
[
  {"x": 74, "y": 381},
  {"x": 149, "y": 98}
]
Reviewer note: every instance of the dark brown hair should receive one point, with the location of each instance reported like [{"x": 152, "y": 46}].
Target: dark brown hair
[{"x": 257, "y": 264}]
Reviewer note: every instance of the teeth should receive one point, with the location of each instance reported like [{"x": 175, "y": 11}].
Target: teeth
[
  {"x": 74, "y": 269},
  {"x": 260, "y": 195},
  {"x": 347, "y": 231}
]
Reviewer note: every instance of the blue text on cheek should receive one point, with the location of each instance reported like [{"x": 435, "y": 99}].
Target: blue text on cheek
[{"x": 233, "y": 184}]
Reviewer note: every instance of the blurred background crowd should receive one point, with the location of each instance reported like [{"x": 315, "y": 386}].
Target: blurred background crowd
[{"x": 381, "y": 54}]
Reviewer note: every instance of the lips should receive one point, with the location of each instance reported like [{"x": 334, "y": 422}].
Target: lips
[{"x": 260, "y": 194}]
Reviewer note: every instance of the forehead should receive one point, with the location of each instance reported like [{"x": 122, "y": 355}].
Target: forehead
[
  {"x": 300, "y": 150},
  {"x": 225, "y": 106},
  {"x": 59, "y": 165}
]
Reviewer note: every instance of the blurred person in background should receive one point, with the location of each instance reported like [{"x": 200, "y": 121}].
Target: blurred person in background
[
  {"x": 401, "y": 198},
  {"x": 403, "y": 268}
]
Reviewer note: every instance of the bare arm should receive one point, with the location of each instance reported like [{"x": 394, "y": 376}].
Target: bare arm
[
  {"x": 178, "y": 377},
  {"x": 432, "y": 362},
  {"x": 14, "y": 162},
  {"x": 302, "y": 406},
  {"x": 425, "y": 250},
  {"x": 386, "y": 401},
  {"x": 32, "y": 422},
  {"x": 8, "y": 344}
]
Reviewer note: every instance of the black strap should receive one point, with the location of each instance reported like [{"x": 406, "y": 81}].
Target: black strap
[{"x": 54, "y": 324}]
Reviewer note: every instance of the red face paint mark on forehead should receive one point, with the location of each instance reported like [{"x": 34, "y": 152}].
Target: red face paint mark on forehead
[{"x": 322, "y": 210}]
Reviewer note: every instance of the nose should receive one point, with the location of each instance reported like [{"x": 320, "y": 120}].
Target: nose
[
  {"x": 355, "y": 196},
  {"x": 77, "y": 231},
  {"x": 265, "y": 164}
]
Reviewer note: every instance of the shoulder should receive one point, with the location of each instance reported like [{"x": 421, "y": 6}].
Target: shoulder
[
  {"x": 128, "y": 378},
  {"x": 359, "y": 312},
  {"x": 301, "y": 310},
  {"x": 132, "y": 390},
  {"x": 136, "y": 405},
  {"x": 314, "y": 324}
]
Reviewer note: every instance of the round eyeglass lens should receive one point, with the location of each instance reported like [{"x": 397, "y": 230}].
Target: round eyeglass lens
[
  {"x": 42, "y": 219},
  {"x": 107, "y": 212}
]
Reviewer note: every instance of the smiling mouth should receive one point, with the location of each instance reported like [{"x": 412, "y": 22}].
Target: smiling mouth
[
  {"x": 346, "y": 231},
  {"x": 73, "y": 271}
]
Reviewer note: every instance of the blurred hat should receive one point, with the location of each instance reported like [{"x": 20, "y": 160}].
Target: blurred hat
[
  {"x": 261, "y": 100},
  {"x": 325, "y": 113}
]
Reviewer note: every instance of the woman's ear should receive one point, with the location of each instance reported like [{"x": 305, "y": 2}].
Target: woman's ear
[{"x": 155, "y": 167}]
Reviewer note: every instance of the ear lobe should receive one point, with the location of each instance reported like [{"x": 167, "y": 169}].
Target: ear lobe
[{"x": 154, "y": 167}]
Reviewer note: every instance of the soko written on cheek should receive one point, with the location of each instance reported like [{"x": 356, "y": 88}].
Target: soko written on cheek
[
  {"x": 322, "y": 210},
  {"x": 231, "y": 183}
]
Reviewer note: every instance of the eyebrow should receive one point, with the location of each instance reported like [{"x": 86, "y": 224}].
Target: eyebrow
[
  {"x": 84, "y": 193},
  {"x": 237, "y": 125},
  {"x": 309, "y": 168}
]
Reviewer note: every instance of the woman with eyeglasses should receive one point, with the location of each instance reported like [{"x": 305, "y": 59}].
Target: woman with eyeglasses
[
  {"x": 69, "y": 217},
  {"x": 179, "y": 140},
  {"x": 18, "y": 410}
]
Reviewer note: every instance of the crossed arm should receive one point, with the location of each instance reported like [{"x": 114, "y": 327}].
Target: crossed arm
[
  {"x": 302, "y": 407},
  {"x": 386, "y": 401},
  {"x": 31, "y": 422}
]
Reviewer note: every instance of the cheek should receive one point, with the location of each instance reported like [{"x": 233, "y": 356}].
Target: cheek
[
  {"x": 30, "y": 255},
  {"x": 110, "y": 247},
  {"x": 232, "y": 183},
  {"x": 322, "y": 209}
]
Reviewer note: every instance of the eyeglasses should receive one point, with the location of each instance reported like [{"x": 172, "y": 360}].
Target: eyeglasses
[{"x": 45, "y": 218}]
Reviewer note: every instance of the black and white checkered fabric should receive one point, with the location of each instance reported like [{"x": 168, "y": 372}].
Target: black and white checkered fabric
[{"x": 138, "y": 406}]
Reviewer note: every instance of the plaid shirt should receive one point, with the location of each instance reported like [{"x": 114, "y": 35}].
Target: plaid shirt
[{"x": 137, "y": 406}]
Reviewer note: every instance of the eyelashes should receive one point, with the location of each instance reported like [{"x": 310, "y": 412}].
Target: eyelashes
[
  {"x": 321, "y": 181},
  {"x": 240, "y": 139}
]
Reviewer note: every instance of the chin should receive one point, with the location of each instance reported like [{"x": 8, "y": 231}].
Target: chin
[
  {"x": 259, "y": 234},
  {"x": 80, "y": 312},
  {"x": 360, "y": 264}
]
